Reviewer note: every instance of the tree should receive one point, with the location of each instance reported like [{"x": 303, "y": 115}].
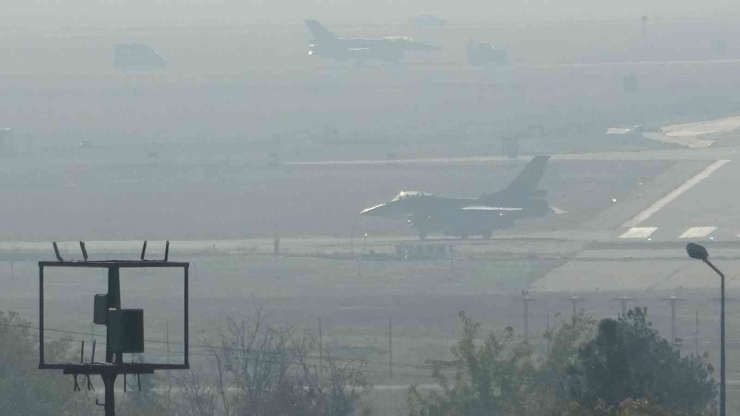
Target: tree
[
  {"x": 623, "y": 368},
  {"x": 144, "y": 402},
  {"x": 24, "y": 390},
  {"x": 491, "y": 378},
  {"x": 257, "y": 369},
  {"x": 627, "y": 359}
]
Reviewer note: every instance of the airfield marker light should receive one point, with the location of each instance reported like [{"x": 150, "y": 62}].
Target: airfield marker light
[{"x": 695, "y": 251}]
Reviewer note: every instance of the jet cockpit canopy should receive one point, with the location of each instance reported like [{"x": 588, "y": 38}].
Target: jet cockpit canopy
[{"x": 409, "y": 194}]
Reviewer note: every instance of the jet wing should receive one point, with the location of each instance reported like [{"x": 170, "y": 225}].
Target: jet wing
[{"x": 487, "y": 208}]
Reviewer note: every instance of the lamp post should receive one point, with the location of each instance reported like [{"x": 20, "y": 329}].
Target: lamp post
[
  {"x": 698, "y": 252},
  {"x": 574, "y": 301},
  {"x": 352, "y": 240}
]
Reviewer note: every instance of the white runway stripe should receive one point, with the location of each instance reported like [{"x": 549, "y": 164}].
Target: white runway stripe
[
  {"x": 662, "y": 202},
  {"x": 639, "y": 232},
  {"x": 698, "y": 232}
]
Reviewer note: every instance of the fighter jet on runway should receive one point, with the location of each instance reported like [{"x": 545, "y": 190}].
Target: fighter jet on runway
[
  {"x": 391, "y": 49},
  {"x": 463, "y": 217}
]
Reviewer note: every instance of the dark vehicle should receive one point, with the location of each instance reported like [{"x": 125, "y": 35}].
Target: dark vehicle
[
  {"x": 391, "y": 49},
  {"x": 137, "y": 56},
  {"x": 463, "y": 217},
  {"x": 481, "y": 54}
]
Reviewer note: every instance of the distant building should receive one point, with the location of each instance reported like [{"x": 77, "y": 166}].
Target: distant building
[
  {"x": 630, "y": 84},
  {"x": 427, "y": 20},
  {"x": 481, "y": 54},
  {"x": 137, "y": 57},
  {"x": 6, "y": 141}
]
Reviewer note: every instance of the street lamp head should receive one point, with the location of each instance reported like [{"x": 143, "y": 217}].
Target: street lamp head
[{"x": 696, "y": 251}]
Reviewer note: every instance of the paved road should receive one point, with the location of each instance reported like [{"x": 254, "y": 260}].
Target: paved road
[{"x": 650, "y": 155}]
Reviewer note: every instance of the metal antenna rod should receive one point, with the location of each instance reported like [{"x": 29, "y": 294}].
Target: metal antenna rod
[
  {"x": 84, "y": 251},
  {"x": 56, "y": 251}
]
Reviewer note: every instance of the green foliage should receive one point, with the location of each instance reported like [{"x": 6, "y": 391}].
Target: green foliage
[
  {"x": 490, "y": 378},
  {"x": 257, "y": 369},
  {"x": 627, "y": 359},
  {"x": 24, "y": 390},
  {"x": 632, "y": 407},
  {"x": 624, "y": 369}
]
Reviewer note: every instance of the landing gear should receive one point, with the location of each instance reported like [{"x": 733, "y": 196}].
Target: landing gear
[{"x": 487, "y": 234}]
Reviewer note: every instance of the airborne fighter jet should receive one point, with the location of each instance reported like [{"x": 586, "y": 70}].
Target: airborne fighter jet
[
  {"x": 463, "y": 217},
  {"x": 391, "y": 49}
]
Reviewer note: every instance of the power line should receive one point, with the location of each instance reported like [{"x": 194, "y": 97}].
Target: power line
[{"x": 208, "y": 347}]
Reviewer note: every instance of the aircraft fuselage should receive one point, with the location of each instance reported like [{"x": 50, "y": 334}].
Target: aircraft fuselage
[
  {"x": 460, "y": 217},
  {"x": 464, "y": 217}
]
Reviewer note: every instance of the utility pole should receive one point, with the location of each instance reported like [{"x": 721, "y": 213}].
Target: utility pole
[
  {"x": 276, "y": 243},
  {"x": 695, "y": 251},
  {"x": 574, "y": 301},
  {"x": 124, "y": 327},
  {"x": 321, "y": 351},
  {"x": 696, "y": 333},
  {"x": 673, "y": 300},
  {"x": 623, "y": 300},
  {"x": 452, "y": 259},
  {"x": 644, "y": 20},
  {"x": 352, "y": 240},
  {"x": 525, "y": 302},
  {"x": 167, "y": 339},
  {"x": 390, "y": 346}
]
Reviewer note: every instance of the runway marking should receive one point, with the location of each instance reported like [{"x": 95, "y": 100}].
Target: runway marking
[
  {"x": 698, "y": 232},
  {"x": 668, "y": 198},
  {"x": 639, "y": 232}
]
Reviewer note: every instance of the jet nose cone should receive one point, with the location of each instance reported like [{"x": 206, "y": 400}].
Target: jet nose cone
[
  {"x": 376, "y": 211},
  {"x": 558, "y": 211}
]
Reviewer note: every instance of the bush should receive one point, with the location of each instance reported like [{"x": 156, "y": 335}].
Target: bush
[
  {"x": 628, "y": 359},
  {"x": 257, "y": 369},
  {"x": 624, "y": 369}
]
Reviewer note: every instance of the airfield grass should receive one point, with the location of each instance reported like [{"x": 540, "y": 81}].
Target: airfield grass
[{"x": 354, "y": 310}]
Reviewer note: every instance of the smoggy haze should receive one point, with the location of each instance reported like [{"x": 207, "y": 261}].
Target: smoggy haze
[{"x": 97, "y": 12}]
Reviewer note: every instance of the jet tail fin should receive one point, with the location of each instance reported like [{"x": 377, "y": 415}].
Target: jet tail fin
[
  {"x": 319, "y": 32},
  {"x": 529, "y": 179}
]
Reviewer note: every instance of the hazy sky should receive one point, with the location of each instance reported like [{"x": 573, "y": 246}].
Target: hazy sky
[{"x": 104, "y": 12}]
